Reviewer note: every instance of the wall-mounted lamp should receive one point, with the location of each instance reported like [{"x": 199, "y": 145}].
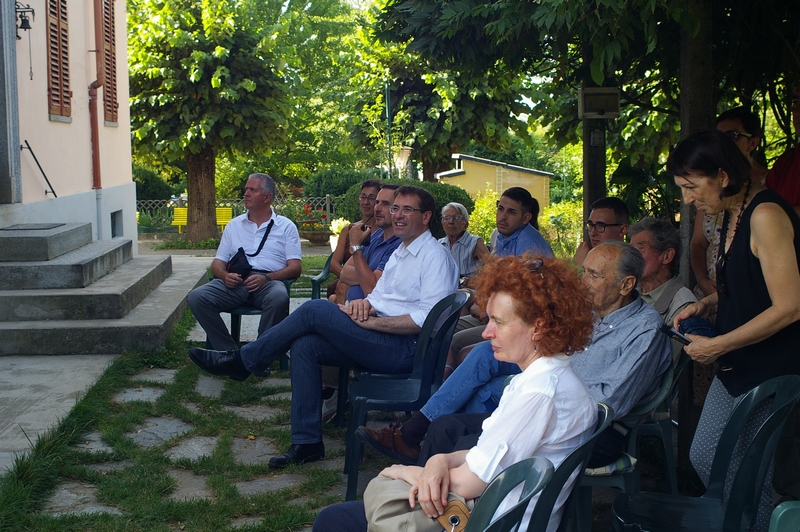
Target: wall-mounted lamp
[{"x": 22, "y": 13}]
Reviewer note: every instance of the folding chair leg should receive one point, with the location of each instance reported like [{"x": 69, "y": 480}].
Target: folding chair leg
[
  {"x": 669, "y": 454},
  {"x": 583, "y": 509},
  {"x": 354, "y": 448},
  {"x": 341, "y": 400},
  {"x": 236, "y": 327}
]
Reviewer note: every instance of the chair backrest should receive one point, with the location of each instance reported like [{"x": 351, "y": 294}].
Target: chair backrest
[
  {"x": 663, "y": 389},
  {"x": 742, "y": 504},
  {"x": 434, "y": 340},
  {"x": 785, "y": 517},
  {"x": 535, "y": 472},
  {"x": 576, "y": 460},
  {"x": 683, "y": 361},
  {"x": 320, "y": 278}
]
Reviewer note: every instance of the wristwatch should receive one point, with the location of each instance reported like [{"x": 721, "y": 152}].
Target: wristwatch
[{"x": 353, "y": 249}]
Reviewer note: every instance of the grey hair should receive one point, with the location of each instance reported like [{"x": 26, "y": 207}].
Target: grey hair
[
  {"x": 267, "y": 183},
  {"x": 629, "y": 260},
  {"x": 460, "y": 208},
  {"x": 663, "y": 236}
]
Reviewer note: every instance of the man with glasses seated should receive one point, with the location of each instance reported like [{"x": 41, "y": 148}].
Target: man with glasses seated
[
  {"x": 378, "y": 332},
  {"x": 608, "y": 220}
]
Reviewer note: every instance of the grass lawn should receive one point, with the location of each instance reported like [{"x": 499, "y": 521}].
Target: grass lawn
[{"x": 141, "y": 489}]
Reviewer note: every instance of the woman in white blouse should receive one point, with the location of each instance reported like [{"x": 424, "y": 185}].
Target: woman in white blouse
[{"x": 539, "y": 314}]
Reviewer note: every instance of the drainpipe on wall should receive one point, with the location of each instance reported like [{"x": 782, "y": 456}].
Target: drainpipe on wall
[{"x": 93, "y": 115}]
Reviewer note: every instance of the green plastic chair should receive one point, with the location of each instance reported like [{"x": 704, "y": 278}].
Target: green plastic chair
[
  {"x": 247, "y": 310},
  {"x": 381, "y": 392},
  {"x": 785, "y": 517},
  {"x": 626, "y": 480},
  {"x": 658, "y": 512},
  {"x": 535, "y": 472},
  {"x": 575, "y": 460},
  {"x": 321, "y": 277},
  {"x": 661, "y": 425}
]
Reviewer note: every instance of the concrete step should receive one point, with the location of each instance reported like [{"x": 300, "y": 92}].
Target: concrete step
[
  {"x": 112, "y": 297},
  {"x": 144, "y": 328},
  {"x": 35, "y": 242},
  {"x": 75, "y": 269}
]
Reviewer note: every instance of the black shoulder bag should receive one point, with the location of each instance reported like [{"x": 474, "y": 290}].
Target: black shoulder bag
[{"x": 239, "y": 263}]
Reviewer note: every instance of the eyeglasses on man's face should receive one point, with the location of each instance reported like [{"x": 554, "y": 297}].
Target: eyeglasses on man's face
[
  {"x": 371, "y": 198},
  {"x": 734, "y": 135},
  {"x": 452, "y": 218},
  {"x": 407, "y": 211},
  {"x": 600, "y": 227}
]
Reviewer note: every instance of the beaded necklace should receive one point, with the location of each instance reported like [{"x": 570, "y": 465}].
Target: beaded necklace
[
  {"x": 722, "y": 254},
  {"x": 738, "y": 218}
]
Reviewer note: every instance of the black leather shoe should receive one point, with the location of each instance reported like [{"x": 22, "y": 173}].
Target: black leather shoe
[
  {"x": 299, "y": 454},
  {"x": 224, "y": 363}
]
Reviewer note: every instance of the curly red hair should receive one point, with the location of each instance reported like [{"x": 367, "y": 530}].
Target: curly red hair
[{"x": 552, "y": 293}]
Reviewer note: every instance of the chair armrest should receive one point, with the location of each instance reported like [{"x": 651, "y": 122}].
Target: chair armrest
[{"x": 320, "y": 278}]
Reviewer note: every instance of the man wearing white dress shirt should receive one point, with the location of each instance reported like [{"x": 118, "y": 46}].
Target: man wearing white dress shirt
[
  {"x": 378, "y": 332},
  {"x": 279, "y": 259}
]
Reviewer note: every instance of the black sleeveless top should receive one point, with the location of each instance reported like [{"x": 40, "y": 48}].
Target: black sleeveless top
[{"x": 745, "y": 368}]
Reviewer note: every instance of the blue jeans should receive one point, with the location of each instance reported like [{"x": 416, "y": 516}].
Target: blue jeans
[
  {"x": 319, "y": 334},
  {"x": 474, "y": 387},
  {"x": 343, "y": 517}
]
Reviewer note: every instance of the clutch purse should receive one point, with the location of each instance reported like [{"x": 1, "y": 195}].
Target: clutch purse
[
  {"x": 455, "y": 516},
  {"x": 239, "y": 264}
]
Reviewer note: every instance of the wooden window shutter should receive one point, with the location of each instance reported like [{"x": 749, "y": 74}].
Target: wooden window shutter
[
  {"x": 59, "y": 95},
  {"x": 110, "y": 101}
]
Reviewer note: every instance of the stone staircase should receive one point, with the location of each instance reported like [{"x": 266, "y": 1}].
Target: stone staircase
[{"x": 62, "y": 293}]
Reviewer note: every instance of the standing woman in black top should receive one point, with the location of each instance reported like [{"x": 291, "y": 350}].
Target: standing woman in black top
[{"x": 758, "y": 286}]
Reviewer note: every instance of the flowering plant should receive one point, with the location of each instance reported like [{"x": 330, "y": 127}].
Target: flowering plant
[
  {"x": 338, "y": 224},
  {"x": 310, "y": 218}
]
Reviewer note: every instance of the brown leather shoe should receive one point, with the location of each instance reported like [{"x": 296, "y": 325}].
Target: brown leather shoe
[{"x": 389, "y": 441}]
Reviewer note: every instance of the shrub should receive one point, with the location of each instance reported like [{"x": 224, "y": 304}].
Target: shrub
[
  {"x": 561, "y": 224},
  {"x": 337, "y": 180},
  {"x": 483, "y": 219},
  {"x": 442, "y": 194},
  {"x": 149, "y": 185}
]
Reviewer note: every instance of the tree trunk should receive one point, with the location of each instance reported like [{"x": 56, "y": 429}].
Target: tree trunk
[
  {"x": 432, "y": 167},
  {"x": 697, "y": 111},
  {"x": 202, "y": 215}
]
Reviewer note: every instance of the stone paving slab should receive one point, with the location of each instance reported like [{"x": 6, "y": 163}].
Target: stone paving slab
[
  {"x": 191, "y": 407},
  {"x": 253, "y": 452},
  {"x": 193, "y": 448},
  {"x": 93, "y": 442},
  {"x": 244, "y": 522},
  {"x": 109, "y": 467},
  {"x": 275, "y": 382},
  {"x": 281, "y": 395},
  {"x": 254, "y": 412},
  {"x": 76, "y": 498},
  {"x": 157, "y": 430},
  {"x": 188, "y": 486},
  {"x": 143, "y": 393},
  {"x": 209, "y": 386},
  {"x": 269, "y": 484},
  {"x": 160, "y": 375}
]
